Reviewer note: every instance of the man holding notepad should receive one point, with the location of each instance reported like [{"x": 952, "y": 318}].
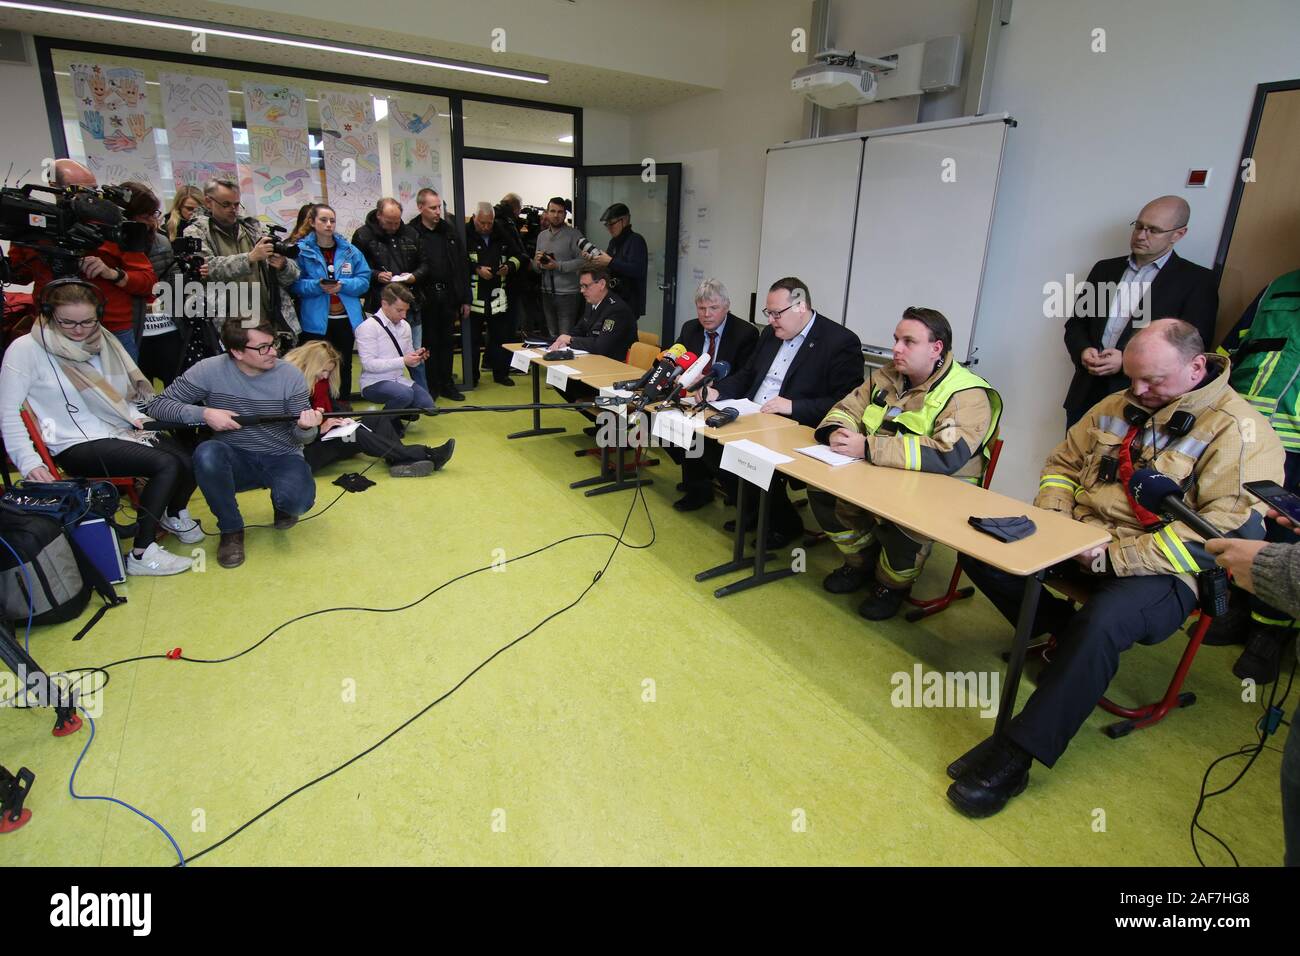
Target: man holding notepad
[{"x": 922, "y": 412}]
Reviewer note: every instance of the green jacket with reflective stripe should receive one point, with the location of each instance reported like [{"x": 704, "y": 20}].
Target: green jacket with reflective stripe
[{"x": 1269, "y": 378}]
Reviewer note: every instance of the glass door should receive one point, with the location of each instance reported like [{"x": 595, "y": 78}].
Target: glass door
[{"x": 653, "y": 197}]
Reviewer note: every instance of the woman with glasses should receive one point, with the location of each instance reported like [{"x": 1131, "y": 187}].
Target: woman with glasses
[
  {"x": 185, "y": 206},
  {"x": 319, "y": 364},
  {"x": 159, "y": 343},
  {"x": 335, "y": 275},
  {"x": 86, "y": 395}
]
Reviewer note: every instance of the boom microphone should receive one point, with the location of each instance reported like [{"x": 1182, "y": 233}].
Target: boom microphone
[{"x": 1161, "y": 494}]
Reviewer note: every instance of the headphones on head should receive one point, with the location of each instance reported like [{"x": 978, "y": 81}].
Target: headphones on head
[{"x": 47, "y": 308}]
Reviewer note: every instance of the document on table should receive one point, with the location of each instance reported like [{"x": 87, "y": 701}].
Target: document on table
[
  {"x": 558, "y": 375},
  {"x": 673, "y": 427},
  {"x": 521, "y": 358},
  {"x": 832, "y": 458},
  {"x": 752, "y": 461},
  {"x": 742, "y": 405},
  {"x": 342, "y": 431}
]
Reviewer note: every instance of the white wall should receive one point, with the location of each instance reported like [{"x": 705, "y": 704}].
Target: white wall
[
  {"x": 488, "y": 181},
  {"x": 26, "y": 138},
  {"x": 722, "y": 139},
  {"x": 606, "y": 137}
]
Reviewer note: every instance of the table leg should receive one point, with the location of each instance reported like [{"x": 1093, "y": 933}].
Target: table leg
[
  {"x": 620, "y": 482},
  {"x": 1011, "y": 679},
  {"x": 537, "y": 428}
]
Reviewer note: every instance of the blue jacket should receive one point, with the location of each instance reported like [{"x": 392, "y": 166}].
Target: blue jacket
[{"x": 350, "y": 269}]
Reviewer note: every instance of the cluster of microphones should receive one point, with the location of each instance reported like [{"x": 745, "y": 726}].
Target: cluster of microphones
[{"x": 674, "y": 374}]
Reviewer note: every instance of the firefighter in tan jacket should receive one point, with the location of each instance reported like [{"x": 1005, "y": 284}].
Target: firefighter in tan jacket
[
  {"x": 922, "y": 412},
  {"x": 1180, "y": 417}
]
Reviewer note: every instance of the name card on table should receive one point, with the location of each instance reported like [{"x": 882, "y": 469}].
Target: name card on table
[
  {"x": 752, "y": 462},
  {"x": 674, "y": 428},
  {"x": 521, "y": 358},
  {"x": 558, "y": 375}
]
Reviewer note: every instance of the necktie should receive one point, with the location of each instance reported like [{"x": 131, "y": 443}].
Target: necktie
[{"x": 713, "y": 347}]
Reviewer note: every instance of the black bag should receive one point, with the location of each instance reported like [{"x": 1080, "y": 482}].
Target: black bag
[
  {"x": 61, "y": 574},
  {"x": 58, "y": 590}
]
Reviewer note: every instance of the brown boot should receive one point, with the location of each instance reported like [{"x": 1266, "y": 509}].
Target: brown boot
[{"x": 230, "y": 552}]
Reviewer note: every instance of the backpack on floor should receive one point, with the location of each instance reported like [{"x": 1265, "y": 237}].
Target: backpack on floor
[{"x": 42, "y": 559}]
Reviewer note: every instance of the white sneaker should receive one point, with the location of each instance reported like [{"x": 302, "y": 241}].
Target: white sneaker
[
  {"x": 183, "y": 526},
  {"x": 156, "y": 560}
]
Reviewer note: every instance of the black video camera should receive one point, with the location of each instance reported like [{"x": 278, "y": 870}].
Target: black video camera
[
  {"x": 75, "y": 223},
  {"x": 189, "y": 254},
  {"x": 287, "y": 249}
]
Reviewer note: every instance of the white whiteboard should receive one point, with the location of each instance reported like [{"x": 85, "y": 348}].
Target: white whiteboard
[
  {"x": 809, "y": 200},
  {"x": 921, "y": 240}
]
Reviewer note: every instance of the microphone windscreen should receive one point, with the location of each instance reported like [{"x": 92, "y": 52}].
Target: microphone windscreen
[
  {"x": 1150, "y": 488},
  {"x": 721, "y": 369},
  {"x": 686, "y": 359},
  {"x": 94, "y": 210}
]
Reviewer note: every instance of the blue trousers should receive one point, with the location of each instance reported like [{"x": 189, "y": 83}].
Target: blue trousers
[
  {"x": 396, "y": 395},
  {"x": 223, "y": 470}
]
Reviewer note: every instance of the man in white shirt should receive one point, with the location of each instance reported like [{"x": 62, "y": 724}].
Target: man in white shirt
[{"x": 386, "y": 351}]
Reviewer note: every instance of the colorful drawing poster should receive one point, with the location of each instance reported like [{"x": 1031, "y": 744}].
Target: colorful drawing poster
[
  {"x": 415, "y": 145},
  {"x": 278, "y": 153},
  {"x": 199, "y": 128},
  {"x": 113, "y": 107},
  {"x": 351, "y": 147}
]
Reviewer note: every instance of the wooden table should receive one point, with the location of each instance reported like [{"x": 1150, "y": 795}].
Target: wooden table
[
  {"x": 937, "y": 507},
  {"x": 587, "y": 365}
]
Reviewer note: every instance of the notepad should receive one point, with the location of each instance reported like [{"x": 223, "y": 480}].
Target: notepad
[
  {"x": 832, "y": 458},
  {"x": 742, "y": 405},
  {"x": 341, "y": 431}
]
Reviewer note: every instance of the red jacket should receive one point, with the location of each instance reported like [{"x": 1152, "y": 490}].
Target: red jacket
[{"x": 119, "y": 315}]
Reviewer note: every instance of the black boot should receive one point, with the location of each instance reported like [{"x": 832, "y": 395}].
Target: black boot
[
  {"x": 1000, "y": 774},
  {"x": 883, "y": 603}
]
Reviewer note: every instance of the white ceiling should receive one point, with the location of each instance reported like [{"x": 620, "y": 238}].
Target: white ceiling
[{"x": 570, "y": 84}]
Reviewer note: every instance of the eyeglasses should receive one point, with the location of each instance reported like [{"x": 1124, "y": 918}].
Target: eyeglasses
[
  {"x": 259, "y": 349},
  {"x": 584, "y": 286},
  {"x": 774, "y": 314},
  {"x": 226, "y": 205},
  {"x": 1139, "y": 227},
  {"x": 68, "y": 324}
]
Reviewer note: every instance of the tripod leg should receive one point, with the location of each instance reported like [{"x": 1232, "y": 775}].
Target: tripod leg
[{"x": 13, "y": 791}]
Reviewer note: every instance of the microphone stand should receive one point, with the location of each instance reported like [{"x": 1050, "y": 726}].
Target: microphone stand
[{"x": 244, "y": 420}]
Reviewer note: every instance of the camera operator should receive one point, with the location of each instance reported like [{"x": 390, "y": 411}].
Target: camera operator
[
  {"x": 558, "y": 261},
  {"x": 628, "y": 258},
  {"x": 236, "y": 248},
  {"x": 120, "y": 271}
]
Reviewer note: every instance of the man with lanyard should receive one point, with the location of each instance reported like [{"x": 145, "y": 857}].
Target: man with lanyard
[
  {"x": 1181, "y": 418},
  {"x": 922, "y": 412},
  {"x": 386, "y": 351},
  {"x": 445, "y": 289}
]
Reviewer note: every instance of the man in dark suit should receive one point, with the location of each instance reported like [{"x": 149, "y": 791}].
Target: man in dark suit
[
  {"x": 1125, "y": 294},
  {"x": 804, "y": 363},
  {"x": 607, "y": 327},
  {"x": 726, "y": 338}
]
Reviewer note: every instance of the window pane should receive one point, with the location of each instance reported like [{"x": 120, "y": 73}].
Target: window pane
[{"x": 517, "y": 128}]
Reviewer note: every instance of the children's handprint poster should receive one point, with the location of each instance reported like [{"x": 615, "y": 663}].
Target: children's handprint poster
[
  {"x": 415, "y": 144},
  {"x": 277, "y": 152},
  {"x": 197, "y": 112},
  {"x": 113, "y": 108},
  {"x": 351, "y": 146}
]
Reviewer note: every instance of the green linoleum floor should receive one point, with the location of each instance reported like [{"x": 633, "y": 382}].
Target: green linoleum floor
[{"x": 771, "y": 737}]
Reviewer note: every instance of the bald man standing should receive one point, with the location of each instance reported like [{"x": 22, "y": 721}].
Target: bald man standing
[{"x": 1125, "y": 294}]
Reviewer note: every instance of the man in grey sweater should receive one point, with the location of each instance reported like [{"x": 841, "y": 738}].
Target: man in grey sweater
[
  {"x": 248, "y": 380},
  {"x": 1272, "y": 572},
  {"x": 558, "y": 261}
]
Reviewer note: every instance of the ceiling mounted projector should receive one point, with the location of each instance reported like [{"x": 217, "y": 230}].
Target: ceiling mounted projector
[{"x": 836, "y": 80}]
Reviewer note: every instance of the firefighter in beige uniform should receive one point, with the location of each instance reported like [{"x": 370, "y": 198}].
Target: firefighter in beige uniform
[{"x": 922, "y": 412}]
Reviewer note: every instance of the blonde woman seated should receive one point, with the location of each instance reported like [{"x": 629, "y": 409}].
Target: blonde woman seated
[
  {"x": 319, "y": 363},
  {"x": 86, "y": 394}
]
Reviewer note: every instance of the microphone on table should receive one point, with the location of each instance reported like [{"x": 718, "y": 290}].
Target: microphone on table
[
  {"x": 716, "y": 373},
  {"x": 1161, "y": 494},
  {"x": 667, "y": 358}
]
